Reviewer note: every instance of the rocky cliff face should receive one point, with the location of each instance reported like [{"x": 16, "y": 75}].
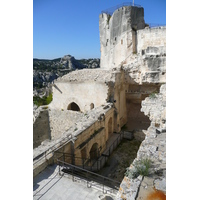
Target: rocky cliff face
[{"x": 46, "y": 71}]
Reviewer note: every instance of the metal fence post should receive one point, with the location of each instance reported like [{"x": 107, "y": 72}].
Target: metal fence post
[
  {"x": 104, "y": 192},
  {"x": 73, "y": 174},
  {"x": 58, "y": 166},
  {"x": 103, "y": 186}
]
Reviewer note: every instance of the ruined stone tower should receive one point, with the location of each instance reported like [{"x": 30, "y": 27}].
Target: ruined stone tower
[{"x": 118, "y": 35}]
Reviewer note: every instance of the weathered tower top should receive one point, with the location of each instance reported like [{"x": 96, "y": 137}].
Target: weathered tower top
[{"x": 117, "y": 34}]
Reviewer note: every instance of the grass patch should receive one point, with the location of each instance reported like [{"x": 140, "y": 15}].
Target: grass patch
[
  {"x": 152, "y": 95},
  {"x": 46, "y": 107},
  {"x": 141, "y": 167},
  {"x": 42, "y": 101}
]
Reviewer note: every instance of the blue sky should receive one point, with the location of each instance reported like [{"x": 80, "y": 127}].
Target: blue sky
[{"x": 62, "y": 27}]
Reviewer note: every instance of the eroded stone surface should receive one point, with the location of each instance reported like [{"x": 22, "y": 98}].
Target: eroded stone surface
[
  {"x": 83, "y": 121},
  {"x": 153, "y": 148},
  {"x": 87, "y": 75},
  {"x": 62, "y": 120}
]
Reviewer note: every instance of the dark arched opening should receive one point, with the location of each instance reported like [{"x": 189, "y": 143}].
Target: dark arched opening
[
  {"x": 94, "y": 153},
  {"x": 91, "y": 106},
  {"x": 73, "y": 106},
  {"x": 110, "y": 130}
]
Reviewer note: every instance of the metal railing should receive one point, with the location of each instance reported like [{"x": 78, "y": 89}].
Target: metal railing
[
  {"x": 52, "y": 149},
  {"x": 88, "y": 163},
  {"x": 111, "y": 10},
  {"x": 152, "y": 25},
  {"x": 85, "y": 163},
  {"x": 92, "y": 179}
]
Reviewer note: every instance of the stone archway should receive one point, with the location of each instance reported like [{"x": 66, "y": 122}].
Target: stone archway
[
  {"x": 94, "y": 153},
  {"x": 73, "y": 106}
]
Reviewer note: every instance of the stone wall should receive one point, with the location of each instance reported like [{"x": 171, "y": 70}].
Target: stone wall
[
  {"x": 61, "y": 120},
  {"x": 97, "y": 133},
  {"x": 151, "y": 37},
  {"x": 41, "y": 128},
  {"x": 78, "y": 92},
  {"x": 135, "y": 94},
  {"x": 86, "y": 88},
  {"x": 146, "y": 69},
  {"x": 152, "y": 148},
  {"x": 83, "y": 87},
  {"x": 92, "y": 121}
]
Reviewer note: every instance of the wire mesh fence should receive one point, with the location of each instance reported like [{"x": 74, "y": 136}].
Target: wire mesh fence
[{"x": 111, "y": 10}]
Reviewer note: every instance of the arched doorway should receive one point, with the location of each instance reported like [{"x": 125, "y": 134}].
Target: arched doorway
[
  {"x": 94, "y": 153},
  {"x": 73, "y": 106},
  {"x": 110, "y": 130}
]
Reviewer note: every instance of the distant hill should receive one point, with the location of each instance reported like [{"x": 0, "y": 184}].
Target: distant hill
[{"x": 46, "y": 71}]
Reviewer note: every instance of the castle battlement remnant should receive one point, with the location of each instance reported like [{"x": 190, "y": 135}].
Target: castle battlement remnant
[
  {"x": 118, "y": 34},
  {"x": 123, "y": 34}
]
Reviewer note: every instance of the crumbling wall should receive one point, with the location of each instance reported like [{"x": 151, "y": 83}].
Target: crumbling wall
[
  {"x": 152, "y": 148},
  {"x": 151, "y": 37},
  {"x": 149, "y": 68},
  {"x": 41, "y": 128},
  {"x": 87, "y": 126}
]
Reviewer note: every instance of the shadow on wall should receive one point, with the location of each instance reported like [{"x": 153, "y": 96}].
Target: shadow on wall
[
  {"x": 136, "y": 118},
  {"x": 94, "y": 153},
  {"x": 41, "y": 129}
]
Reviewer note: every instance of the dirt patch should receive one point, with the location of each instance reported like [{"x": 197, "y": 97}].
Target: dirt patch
[
  {"x": 156, "y": 195},
  {"x": 121, "y": 158}
]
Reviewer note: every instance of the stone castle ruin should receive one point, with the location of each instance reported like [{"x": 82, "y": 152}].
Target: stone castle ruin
[{"x": 91, "y": 107}]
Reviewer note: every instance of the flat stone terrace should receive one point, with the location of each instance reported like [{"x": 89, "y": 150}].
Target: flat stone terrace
[{"x": 49, "y": 185}]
